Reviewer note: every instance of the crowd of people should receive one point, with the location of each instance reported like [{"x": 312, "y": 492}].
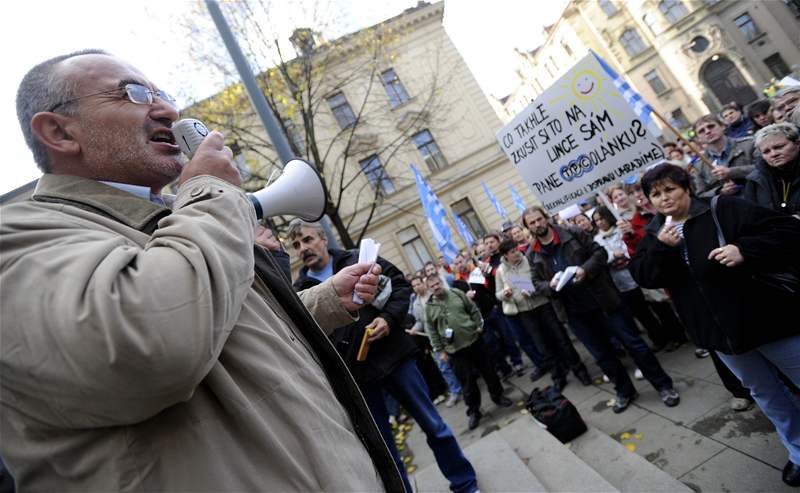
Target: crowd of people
[{"x": 156, "y": 347}]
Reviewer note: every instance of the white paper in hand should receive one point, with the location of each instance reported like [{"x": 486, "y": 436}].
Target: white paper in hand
[
  {"x": 566, "y": 277},
  {"x": 367, "y": 252}
]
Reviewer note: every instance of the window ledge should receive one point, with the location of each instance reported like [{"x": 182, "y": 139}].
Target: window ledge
[
  {"x": 403, "y": 104},
  {"x": 757, "y": 37}
]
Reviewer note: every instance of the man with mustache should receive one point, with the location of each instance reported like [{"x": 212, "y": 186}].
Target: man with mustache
[
  {"x": 390, "y": 364},
  {"x": 155, "y": 348}
]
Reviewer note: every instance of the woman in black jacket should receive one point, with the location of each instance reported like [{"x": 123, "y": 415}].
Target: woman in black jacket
[
  {"x": 775, "y": 181},
  {"x": 750, "y": 326}
]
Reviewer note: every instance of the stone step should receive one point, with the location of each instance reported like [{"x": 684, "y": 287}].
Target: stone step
[
  {"x": 553, "y": 464},
  {"x": 626, "y": 470},
  {"x": 497, "y": 465}
]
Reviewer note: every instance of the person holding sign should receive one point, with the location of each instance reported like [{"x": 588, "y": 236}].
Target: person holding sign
[
  {"x": 592, "y": 303},
  {"x": 533, "y": 312}
]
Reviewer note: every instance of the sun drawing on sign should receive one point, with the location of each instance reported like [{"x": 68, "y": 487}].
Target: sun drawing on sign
[{"x": 587, "y": 87}]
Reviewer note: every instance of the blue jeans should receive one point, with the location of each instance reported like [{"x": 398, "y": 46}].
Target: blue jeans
[
  {"x": 449, "y": 375},
  {"x": 405, "y": 383},
  {"x": 755, "y": 370},
  {"x": 595, "y": 330}
]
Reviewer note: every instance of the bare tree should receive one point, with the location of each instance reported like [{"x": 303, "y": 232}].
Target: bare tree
[{"x": 300, "y": 84}]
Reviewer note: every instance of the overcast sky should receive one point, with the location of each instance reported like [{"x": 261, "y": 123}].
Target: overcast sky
[{"x": 143, "y": 32}]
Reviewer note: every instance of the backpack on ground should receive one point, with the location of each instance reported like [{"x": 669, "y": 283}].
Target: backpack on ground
[{"x": 555, "y": 413}]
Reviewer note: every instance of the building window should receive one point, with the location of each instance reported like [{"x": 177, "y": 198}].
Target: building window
[
  {"x": 678, "y": 119},
  {"x": 394, "y": 88},
  {"x": 430, "y": 151},
  {"x": 655, "y": 82},
  {"x": 747, "y": 27},
  {"x": 673, "y": 10},
  {"x": 777, "y": 66},
  {"x": 566, "y": 47},
  {"x": 632, "y": 42},
  {"x": 608, "y": 7},
  {"x": 341, "y": 110},
  {"x": 414, "y": 248},
  {"x": 650, "y": 21},
  {"x": 295, "y": 136},
  {"x": 467, "y": 214},
  {"x": 376, "y": 174},
  {"x": 552, "y": 61}
]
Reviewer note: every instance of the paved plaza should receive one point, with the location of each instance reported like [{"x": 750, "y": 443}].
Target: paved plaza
[{"x": 700, "y": 443}]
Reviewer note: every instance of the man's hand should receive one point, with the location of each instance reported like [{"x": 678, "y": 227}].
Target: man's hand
[
  {"x": 379, "y": 328},
  {"x": 507, "y": 292},
  {"x": 580, "y": 275},
  {"x": 720, "y": 172},
  {"x": 212, "y": 158},
  {"x": 729, "y": 255},
  {"x": 729, "y": 188},
  {"x": 266, "y": 239},
  {"x": 625, "y": 226},
  {"x": 471, "y": 294},
  {"x": 443, "y": 357},
  {"x": 359, "y": 278}
]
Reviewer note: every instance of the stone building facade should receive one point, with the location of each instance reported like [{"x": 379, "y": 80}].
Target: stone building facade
[{"x": 685, "y": 57}]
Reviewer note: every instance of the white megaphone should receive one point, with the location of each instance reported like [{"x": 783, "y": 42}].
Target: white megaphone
[{"x": 298, "y": 191}]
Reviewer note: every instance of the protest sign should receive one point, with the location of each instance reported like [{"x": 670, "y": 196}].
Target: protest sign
[{"x": 578, "y": 136}]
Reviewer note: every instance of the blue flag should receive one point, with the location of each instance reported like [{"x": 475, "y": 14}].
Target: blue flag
[
  {"x": 463, "y": 230},
  {"x": 518, "y": 202},
  {"x": 642, "y": 109},
  {"x": 499, "y": 208},
  {"x": 437, "y": 217}
]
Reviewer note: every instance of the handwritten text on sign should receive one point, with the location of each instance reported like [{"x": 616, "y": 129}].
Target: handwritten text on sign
[{"x": 577, "y": 137}]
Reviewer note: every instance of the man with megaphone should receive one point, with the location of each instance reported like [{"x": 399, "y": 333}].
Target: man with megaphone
[{"x": 156, "y": 348}]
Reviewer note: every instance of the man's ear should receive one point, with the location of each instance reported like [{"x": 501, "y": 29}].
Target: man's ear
[{"x": 52, "y": 131}]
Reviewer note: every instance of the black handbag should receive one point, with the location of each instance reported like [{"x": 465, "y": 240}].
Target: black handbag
[
  {"x": 555, "y": 413},
  {"x": 786, "y": 282}
]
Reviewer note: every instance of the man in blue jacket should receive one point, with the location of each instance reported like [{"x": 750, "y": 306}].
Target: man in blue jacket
[{"x": 390, "y": 364}]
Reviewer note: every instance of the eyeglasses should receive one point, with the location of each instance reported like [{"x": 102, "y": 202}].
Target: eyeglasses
[{"x": 136, "y": 93}]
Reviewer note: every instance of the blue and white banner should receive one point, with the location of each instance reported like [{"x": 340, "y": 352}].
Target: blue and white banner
[
  {"x": 499, "y": 208},
  {"x": 639, "y": 106},
  {"x": 463, "y": 230},
  {"x": 518, "y": 202},
  {"x": 437, "y": 217}
]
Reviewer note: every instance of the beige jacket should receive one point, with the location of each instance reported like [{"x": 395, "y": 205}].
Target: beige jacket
[
  {"x": 134, "y": 361},
  {"x": 517, "y": 302}
]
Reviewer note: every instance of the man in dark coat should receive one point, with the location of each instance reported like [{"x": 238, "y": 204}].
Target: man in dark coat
[
  {"x": 390, "y": 364},
  {"x": 593, "y": 304}
]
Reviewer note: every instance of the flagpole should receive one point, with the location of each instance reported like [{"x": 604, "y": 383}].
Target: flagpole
[{"x": 680, "y": 138}]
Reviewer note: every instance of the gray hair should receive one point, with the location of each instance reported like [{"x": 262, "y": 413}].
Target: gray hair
[
  {"x": 784, "y": 91},
  {"x": 787, "y": 130},
  {"x": 42, "y": 88},
  {"x": 297, "y": 223}
]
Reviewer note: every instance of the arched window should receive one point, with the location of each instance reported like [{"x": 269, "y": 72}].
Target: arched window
[
  {"x": 650, "y": 20},
  {"x": 673, "y": 10},
  {"x": 632, "y": 42}
]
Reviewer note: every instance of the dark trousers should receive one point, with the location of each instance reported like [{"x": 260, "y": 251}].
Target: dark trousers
[
  {"x": 558, "y": 355},
  {"x": 595, "y": 329},
  {"x": 673, "y": 326},
  {"x": 634, "y": 301},
  {"x": 465, "y": 362},
  {"x": 500, "y": 342},
  {"x": 406, "y": 385}
]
